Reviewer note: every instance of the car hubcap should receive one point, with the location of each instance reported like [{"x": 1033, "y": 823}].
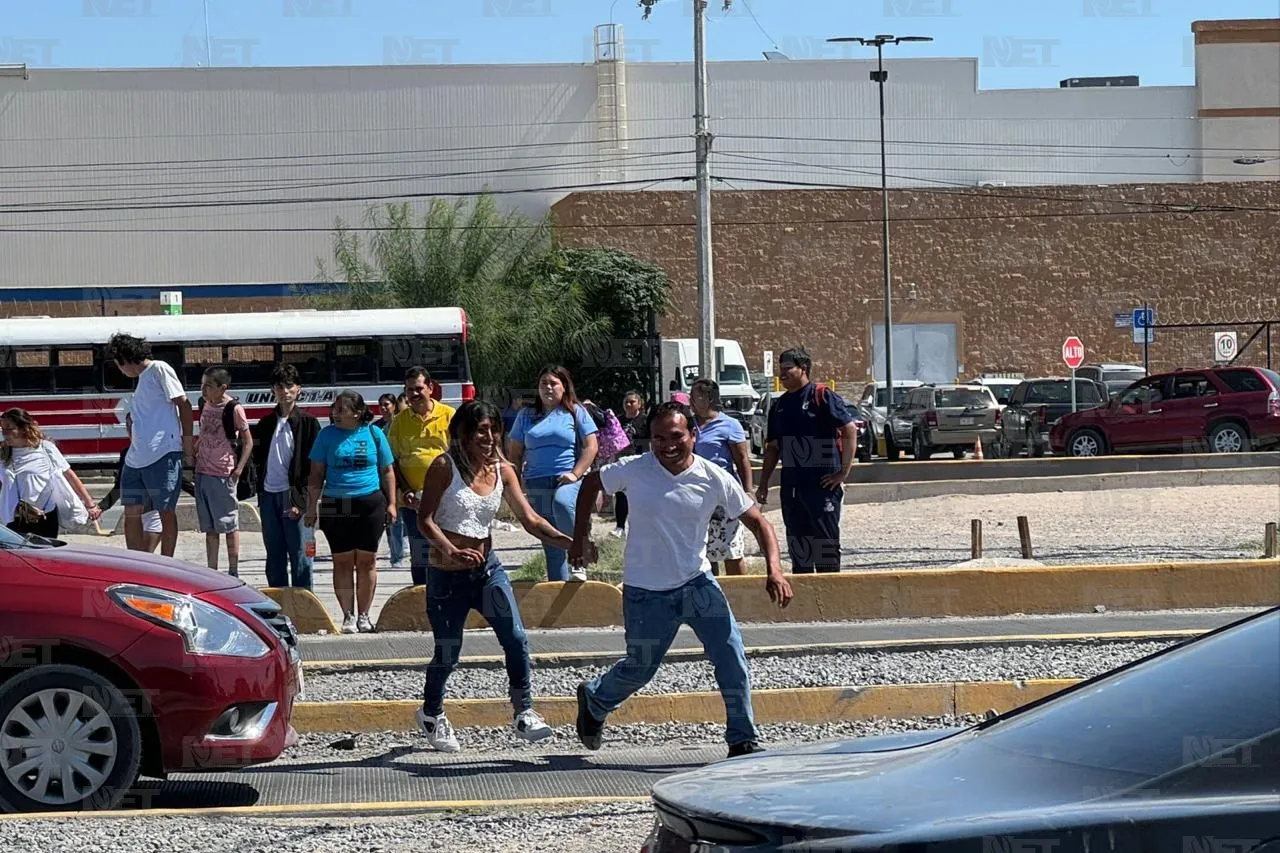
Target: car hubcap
[
  {"x": 1085, "y": 445},
  {"x": 57, "y": 746},
  {"x": 1228, "y": 441}
]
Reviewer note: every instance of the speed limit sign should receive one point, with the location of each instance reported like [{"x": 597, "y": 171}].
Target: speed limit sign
[{"x": 1224, "y": 346}]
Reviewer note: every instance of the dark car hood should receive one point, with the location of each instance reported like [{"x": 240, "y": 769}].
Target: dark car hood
[
  {"x": 880, "y": 785},
  {"x": 116, "y": 565}
]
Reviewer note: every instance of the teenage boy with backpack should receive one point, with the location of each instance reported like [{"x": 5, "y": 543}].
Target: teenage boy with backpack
[
  {"x": 812, "y": 432},
  {"x": 224, "y": 450}
]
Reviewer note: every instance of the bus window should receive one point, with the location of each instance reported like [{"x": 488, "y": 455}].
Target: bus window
[
  {"x": 197, "y": 359},
  {"x": 311, "y": 358},
  {"x": 355, "y": 363},
  {"x": 251, "y": 365},
  {"x": 442, "y": 357},
  {"x": 31, "y": 371},
  {"x": 112, "y": 378},
  {"x": 75, "y": 371}
]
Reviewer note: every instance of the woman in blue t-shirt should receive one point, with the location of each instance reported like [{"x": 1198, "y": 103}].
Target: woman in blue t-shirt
[
  {"x": 352, "y": 494},
  {"x": 554, "y": 438},
  {"x": 722, "y": 440}
]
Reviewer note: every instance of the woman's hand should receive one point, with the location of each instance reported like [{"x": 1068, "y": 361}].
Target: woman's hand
[
  {"x": 567, "y": 478},
  {"x": 467, "y": 556},
  {"x": 310, "y": 518}
]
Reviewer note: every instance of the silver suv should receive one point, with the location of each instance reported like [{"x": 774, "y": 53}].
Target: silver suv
[{"x": 936, "y": 418}]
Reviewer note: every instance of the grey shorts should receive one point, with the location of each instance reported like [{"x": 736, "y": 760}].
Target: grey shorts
[{"x": 216, "y": 505}]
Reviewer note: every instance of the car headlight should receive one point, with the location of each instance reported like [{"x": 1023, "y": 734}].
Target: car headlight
[{"x": 205, "y": 629}]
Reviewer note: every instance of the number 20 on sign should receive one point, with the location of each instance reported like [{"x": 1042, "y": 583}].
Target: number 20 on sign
[{"x": 1073, "y": 352}]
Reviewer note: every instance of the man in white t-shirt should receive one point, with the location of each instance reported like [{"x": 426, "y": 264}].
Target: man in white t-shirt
[
  {"x": 667, "y": 578},
  {"x": 161, "y": 441}
]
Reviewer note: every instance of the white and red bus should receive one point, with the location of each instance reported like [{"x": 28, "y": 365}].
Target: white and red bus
[{"x": 55, "y": 368}]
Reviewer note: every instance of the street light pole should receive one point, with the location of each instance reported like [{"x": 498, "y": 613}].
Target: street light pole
[
  {"x": 702, "y": 139},
  {"x": 879, "y": 76}
]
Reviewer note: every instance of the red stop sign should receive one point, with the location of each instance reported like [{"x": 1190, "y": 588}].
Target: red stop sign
[{"x": 1073, "y": 352}]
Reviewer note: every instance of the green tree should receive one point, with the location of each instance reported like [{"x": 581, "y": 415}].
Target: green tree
[{"x": 488, "y": 263}]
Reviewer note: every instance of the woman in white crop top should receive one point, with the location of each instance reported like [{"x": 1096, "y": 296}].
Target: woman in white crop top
[{"x": 460, "y": 495}]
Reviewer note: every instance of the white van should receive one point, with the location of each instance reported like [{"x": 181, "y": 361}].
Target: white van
[{"x": 680, "y": 369}]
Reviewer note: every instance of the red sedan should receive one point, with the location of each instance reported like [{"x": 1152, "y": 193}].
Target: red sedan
[{"x": 116, "y": 664}]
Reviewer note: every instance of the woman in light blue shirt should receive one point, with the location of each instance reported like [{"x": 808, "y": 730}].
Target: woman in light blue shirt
[
  {"x": 722, "y": 440},
  {"x": 352, "y": 495},
  {"x": 555, "y": 439}
]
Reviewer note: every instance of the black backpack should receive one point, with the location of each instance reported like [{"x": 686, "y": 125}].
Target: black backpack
[{"x": 247, "y": 485}]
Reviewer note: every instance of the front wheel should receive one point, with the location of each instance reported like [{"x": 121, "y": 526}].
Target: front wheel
[
  {"x": 1086, "y": 442},
  {"x": 919, "y": 449},
  {"x": 69, "y": 741}
]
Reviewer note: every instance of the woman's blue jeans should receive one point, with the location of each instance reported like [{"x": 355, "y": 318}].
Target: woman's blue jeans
[
  {"x": 557, "y": 504},
  {"x": 451, "y": 596}
]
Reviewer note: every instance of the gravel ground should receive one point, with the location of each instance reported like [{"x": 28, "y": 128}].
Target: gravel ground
[
  {"x": 1115, "y": 526},
  {"x": 594, "y": 828},
  {"x": 1065, "y": 660}
]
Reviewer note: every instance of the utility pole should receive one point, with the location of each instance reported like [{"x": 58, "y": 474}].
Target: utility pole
[
  {"x": 702, "y": 138},
  {"x": 702, "y": 141}
]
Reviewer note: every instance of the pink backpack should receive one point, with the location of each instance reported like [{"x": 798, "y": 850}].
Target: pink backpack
[{"x": 610, "y": 436}]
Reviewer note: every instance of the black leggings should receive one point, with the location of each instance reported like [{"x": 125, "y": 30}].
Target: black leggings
[{"x": 48, "y": 528}]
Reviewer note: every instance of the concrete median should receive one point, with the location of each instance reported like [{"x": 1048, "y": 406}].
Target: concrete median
[
  {"x": 931, "y": 593},
  {"x": 806, "y": 705},
  {"x": 542, "y": 605}
]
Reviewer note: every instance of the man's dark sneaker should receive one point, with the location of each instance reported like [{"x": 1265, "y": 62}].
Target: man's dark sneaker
[
  {"x": 746, "y": 748},
  {"x": 589, "y": 728}
]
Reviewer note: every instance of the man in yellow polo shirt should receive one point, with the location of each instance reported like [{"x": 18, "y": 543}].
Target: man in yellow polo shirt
[{"x": 417, "y": 436}]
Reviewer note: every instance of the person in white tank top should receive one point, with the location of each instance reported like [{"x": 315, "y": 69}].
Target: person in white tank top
[{"x": 462, "y": 492}]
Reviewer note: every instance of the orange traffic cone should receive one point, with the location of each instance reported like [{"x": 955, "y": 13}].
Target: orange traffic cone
[{"x": 977, "y": 449}]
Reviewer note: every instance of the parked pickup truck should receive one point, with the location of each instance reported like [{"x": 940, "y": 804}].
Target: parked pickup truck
[{"x": 1036, "y": 405}]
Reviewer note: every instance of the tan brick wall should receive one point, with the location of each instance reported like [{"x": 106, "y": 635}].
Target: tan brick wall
[{"x": 1017, "y": 269}]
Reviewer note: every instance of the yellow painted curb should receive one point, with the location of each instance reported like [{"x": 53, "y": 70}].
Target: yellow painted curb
[
  {"x": 542, "y": 605},
  {"x": 926, "y": 593},
  {"x": 349, "y": 809},
  {"x": 804, "y": 705},
  {"x": 301, "y": 605}
]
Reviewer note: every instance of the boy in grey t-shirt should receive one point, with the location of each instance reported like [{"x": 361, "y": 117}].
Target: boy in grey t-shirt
[{"x": 667, "y": 578}]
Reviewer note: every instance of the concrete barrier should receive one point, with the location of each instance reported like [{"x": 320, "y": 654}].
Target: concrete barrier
[
  {"x": 301, "y": 605},
  {"x": 803, "y": 705},
  {"x": 542, "y": 605},
  {"x": 929, "y": 593},
  {"x": 112, "y": 521}
]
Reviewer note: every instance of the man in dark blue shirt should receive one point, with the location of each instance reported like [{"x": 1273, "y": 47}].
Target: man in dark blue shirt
[{"x": 816, "y": 440}]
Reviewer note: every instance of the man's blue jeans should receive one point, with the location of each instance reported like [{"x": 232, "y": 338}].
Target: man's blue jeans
[
  {"x": 419, "y": 546},
  {"x": 395, "y": 539},
  {"x": 557, "y": 504},
  {"x": 451, "y": 596},
  {"x": 282, "y": 537},
  {"x": 652, "y": 620}
]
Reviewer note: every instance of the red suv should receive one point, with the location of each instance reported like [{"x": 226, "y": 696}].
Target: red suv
[
  {"x": 1223, "y": 409},
  {"x": 116, "y": 664}
]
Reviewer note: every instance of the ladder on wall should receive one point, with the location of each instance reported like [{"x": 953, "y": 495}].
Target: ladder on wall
[{"x": 611, "y": 102}]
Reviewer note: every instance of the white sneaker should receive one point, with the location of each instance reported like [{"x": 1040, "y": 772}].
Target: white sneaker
[
  {"x": 438, "y": 731},
  {"x": 577, "y": 575},
  {"x": 530, "y": 726},
  {"x": 618, "y": 533},
  {"x": 363, "y": 624},
  {"x": 349, "y": 623}
]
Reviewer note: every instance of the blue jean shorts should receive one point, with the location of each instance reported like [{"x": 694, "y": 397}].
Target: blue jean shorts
[{"x": 155, "y": 487}]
